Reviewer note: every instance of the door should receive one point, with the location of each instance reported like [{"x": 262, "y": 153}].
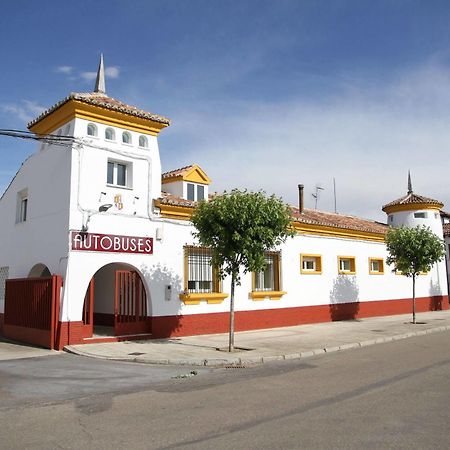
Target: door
[
  {"x": 130, "y": 306},
  {"x": 88, "y": 311}
]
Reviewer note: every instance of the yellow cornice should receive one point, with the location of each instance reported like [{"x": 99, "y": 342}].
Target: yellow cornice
[
  {"x": 324, "y": 230},
  {"x": 174, "y": 211},
  {"x": 185, "y": 212},
  {"x": 412, "y": 207},
  {"x": 77, "y": 109}
]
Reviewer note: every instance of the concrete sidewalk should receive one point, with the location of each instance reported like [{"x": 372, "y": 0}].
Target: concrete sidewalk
[{"x": 261, "y": 346}]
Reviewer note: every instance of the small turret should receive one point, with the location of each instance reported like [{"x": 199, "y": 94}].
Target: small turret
[{"x": 413, "y": 209}]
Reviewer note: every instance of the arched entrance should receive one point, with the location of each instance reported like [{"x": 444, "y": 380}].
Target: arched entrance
[
  {"x": 39, "y": 271},
  {"x": 116, "y": 303}
]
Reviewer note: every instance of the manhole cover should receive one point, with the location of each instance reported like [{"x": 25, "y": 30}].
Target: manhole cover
[{"x": 136, "y": 354}]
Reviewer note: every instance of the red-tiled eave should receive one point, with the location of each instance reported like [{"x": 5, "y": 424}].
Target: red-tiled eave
[
  {"x": 313, "y": 217},
  {"x": 178, "y": 172},
  {"x": 308, "y": 216},
  {"x": 411, "y": 199},
  {"x": 103, "y": 101}
]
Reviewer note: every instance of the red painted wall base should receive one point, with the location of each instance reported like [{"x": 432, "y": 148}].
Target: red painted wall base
[
  {"x": 71, "y": 333},
  {"x": 168, "y": 326}
]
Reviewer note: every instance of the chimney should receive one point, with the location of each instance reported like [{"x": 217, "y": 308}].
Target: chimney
[{"x": 300, "y": 198}]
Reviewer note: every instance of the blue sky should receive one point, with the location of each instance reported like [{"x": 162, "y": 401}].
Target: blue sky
[{"x": 262, "y": 94}]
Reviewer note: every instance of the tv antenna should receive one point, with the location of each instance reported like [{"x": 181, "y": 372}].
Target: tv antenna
[{"x": 316, "y": 195}]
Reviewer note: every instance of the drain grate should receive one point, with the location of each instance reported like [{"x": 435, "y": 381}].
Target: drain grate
[
  {"x": 235, "y": 366},
  {"x": 136, "y": 354}
]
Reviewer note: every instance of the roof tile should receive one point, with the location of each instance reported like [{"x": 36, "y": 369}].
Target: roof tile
[{"x": 102, "y": 100}]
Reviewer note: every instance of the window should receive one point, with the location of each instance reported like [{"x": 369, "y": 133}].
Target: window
[
  {"x": 143, "y": 142},
  {"x": 376, "y": 266},
  {"x": 91, "y": 130},
  {"x": 110, "y": 135},
  {"x": 269, "y": 278},
  {"x": 200, "y": 192},
  {"x": 195, "y": 192},
  {"x": 346, "y": 265},
  {"x": 420, "y": 215},
  {"x": 119, "y": 174},
  {"x": 201, "y": 277},
  {"x": 201, "y": 281},
  {"x": 22, "y": 206},
  {"x": 126, "y": 137},
  {"x": 190, "y": 191},
  {"x": 391, "y": 218},
  {"x": 310, "y": 264}
]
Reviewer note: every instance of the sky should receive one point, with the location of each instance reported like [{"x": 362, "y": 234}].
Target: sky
[{"x": 261, "y": 94}]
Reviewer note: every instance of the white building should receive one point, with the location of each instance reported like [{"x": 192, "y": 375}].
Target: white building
[{"x": 92, "y": 206}]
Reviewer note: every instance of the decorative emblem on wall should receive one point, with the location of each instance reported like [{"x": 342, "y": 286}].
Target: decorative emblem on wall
[{"x": 118, "y": 201}]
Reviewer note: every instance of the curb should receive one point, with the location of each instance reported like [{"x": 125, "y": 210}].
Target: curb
[{"x": 240, "y": 361}]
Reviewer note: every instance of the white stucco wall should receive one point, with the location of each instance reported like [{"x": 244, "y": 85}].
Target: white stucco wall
[
  {"x": 407, "y": 219},
  {"x": 42, "y": 238}
]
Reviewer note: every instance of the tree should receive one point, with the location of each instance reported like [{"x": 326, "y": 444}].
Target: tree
[
  {"x": 412, "y": 251},
  {"x": 239, "y": 227}
]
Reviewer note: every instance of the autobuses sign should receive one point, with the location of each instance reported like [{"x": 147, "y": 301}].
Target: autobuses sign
[{"x": 112, "y": 243}]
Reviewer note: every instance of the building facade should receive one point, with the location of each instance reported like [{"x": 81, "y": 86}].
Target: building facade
[{"x": 93, "y": 206}]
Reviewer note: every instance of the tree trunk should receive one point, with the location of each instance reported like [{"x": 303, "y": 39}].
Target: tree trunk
[
  {"x": 231, "y": 335},
  {"x": 414, "y": 298}
]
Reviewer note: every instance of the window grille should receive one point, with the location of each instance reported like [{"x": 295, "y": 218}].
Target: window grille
[
  {"x": 4, "y": 274},
  {"x": 201, "y": 277}
]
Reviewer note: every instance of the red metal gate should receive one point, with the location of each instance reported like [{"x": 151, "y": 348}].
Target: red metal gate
[
  {"x": 32, "y": 310},
  {"x": 88, "y": 311},
  {"x": 130, "y": 305}
]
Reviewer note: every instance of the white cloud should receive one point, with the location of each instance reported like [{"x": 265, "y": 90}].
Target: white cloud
[
  {"x": 25, "y": 110},
  {"x": 366, "y": 139},
  {"x": 88, "y": 76},
  {"x": 112, "y": 72},
  {"x": 64, "y": 69}
]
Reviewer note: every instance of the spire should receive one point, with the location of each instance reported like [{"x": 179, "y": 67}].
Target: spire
[
  {"x": 409, "y": 183},
  {"x": 100, "y": 81}
]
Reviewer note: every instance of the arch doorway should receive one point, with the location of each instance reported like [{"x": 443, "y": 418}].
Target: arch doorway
[
  {"x": 39, "y": 271},
  {"x": 116, "y": 303}
]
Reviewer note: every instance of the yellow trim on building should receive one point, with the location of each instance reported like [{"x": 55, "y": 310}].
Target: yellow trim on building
[
  {"x": 184, "y": 213},
  {"x": 412, "y": 207},
  {"x": 352, "y": 270},
  {"x": 317, "y": 270},
  {"x": 77, "y": 109},
  {"x": 174, "y": 211},
  {"x": 210, "y": 298},
  {"x": 267, "y": 295},
  {"x": 194, "y": 175},
  {"x": 374, "y": 272},
  {"x": 324, "y": 230}
]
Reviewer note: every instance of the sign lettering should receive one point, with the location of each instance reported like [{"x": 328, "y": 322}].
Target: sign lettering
[{"x": 111, "y": 243}]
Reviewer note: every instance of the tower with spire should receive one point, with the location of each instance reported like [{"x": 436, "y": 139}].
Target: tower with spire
[{"x": 413, "y": 210}]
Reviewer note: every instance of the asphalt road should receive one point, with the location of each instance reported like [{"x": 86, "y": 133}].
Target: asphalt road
[{"x": 388, "y": 396}]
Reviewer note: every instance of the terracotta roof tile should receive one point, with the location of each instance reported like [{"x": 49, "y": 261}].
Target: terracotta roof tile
[
  {"x": 311, "y": 216},
  {"x": 411, "y": 198},
  {"x": 178, "y": 172},
  {"x": 102, "y": 100},
  {"x": 308, "y": 216}
]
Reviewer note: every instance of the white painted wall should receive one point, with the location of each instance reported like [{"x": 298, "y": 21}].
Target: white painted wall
[
  {"x": 407, "y": 219},
  {"x": 42, "y": 238}
]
